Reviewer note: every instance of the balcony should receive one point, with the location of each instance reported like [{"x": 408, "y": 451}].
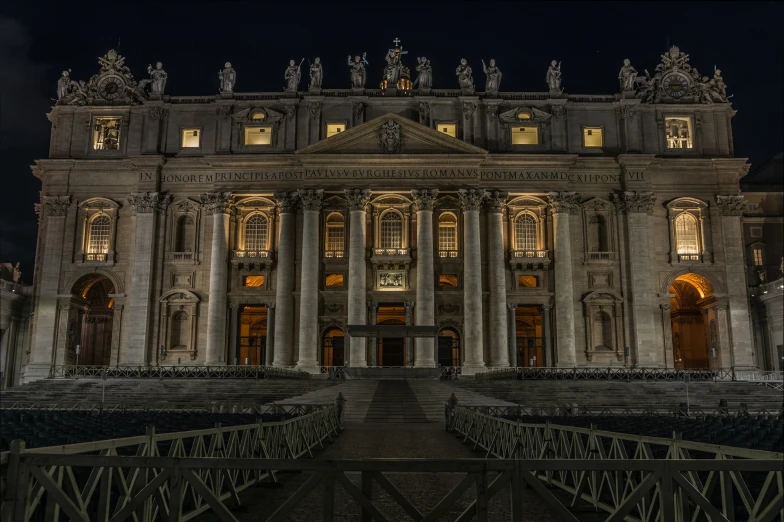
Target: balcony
[
  {"x": 689, "y": 258},
  {"x": 184, "y": 257},
  {"x": 253, "y": 258},
  {"x": 524, "y": 258},
  {"x": 448, "y": 253},
  {"x": 334, "y": 255},
  {"x": 98, "y": 258},
  {"x": 95, "y": 258},
  {"x": 399, "y": 257},
  {"x": 600, "y": 257}
]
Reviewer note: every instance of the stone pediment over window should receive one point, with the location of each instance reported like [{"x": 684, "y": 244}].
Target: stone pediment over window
[{"x": 392, "y": 135}]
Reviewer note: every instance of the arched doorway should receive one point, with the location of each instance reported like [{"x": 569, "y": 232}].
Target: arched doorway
[
  {"x": 90, "y": 330},
  {"x": 692, "y": 321},
  {"x": 333, "y": 348},
  {"x": 448, "y": 347},
  {"x": 253, "y": 336},
  {"x": 530, "y": 339}
]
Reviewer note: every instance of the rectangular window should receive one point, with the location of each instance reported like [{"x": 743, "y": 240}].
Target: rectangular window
[
  {"x": 258, "y": 135},
  {"x": 191, "y": 138},
  {"x": 335, "y": 128},
  {"x": 758, "y": 261},
  {"x": 756, "y": 231},
  {"x": 253, "y": 280},
  {"x": 106, "y": 133},
  {"x": 527, "y": 135},
  {"x": 678, "y": 130},
  {"x": 527, "y": 281},
  {"x": 447, "y": 280},
  {"x": 593, "y": 137},
  {"x": 334, "y": 281},
  {"x": 450, "y": 129},
  {"x": 752, "y": 207}
]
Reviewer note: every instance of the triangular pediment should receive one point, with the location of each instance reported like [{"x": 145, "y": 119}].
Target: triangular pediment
[{"x": 415, "y": 139}]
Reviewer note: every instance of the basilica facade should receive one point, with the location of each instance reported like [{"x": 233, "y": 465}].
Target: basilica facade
[{"x": 528, "y": 229}]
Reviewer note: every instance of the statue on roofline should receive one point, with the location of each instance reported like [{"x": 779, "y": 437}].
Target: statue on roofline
[
  {"x": 493, "y": 73},
  {"x": 227, "y": 77},
  {"x": 627, "y": 76},
  {"x": 292, "y": 76},
  {"x": 316, "y": 74},
  {"x": 395, "y": 73},
  {"x": 358, "y": 73},
  {"x": 425, "y": 77},
  {"x": 464, "y": 75},
  {"x": 158, "y": 78},
  {"x": 553, "y": 77}
]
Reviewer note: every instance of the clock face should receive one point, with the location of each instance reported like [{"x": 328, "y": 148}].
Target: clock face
[
  {"x": 676, "y": 85},
  {"x": 111, "y": 87}
]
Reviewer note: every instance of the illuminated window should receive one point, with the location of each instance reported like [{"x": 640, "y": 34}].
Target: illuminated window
[
  {"x": 525, "y": 135},
  {"x": 593, "y": 137},
  {"x": 253, "y": 280},
  {"x": 334, "y": 281},
  {"x": 106, "y": 134},
  {"x": 449, "y": 129},
  {"x": 686, "y": 238},
  {"x": 258, "y": 116},
  {"x": 191, "y": 138},
  {"x": 258, "y": 135},
  {"x": 447, "y": 235},
  {"x": 391, "y": 230},
  {"x": 757, "y": 254},
  {"x": 100, "y": 230},
  {"x": 447, "y": 280},
  {"x": 527, "y": 281},
  {"x": 525, "y": 232},
  {"x": 335, "y": 128},
  {"x": 679, "y": 132},
  {"x": 523, "y": 116},
  {"x": 256, "y": 233},
  {"x": 336, "y": 234}
]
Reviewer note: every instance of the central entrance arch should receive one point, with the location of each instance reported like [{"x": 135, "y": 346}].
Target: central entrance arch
[
  {"x": 91, "y": 320},
  {"x": 694, "y": 327},
  {"x": 391, "y": 351}
]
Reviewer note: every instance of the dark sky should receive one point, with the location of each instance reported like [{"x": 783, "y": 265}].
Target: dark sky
[{"x": 193, "y": 40}]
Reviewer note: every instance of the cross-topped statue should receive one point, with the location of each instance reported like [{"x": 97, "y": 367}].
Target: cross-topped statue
[
  {"x": 396, "y": 41},
  {"x": 395, "y": 70}
]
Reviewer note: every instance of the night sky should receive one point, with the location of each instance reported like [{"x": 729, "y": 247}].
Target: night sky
[{"x": 194, "y": 39}]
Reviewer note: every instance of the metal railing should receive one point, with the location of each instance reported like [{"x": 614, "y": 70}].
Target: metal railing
[
  {"x": 576, "y": 410},
  {"x": 535, "y": 254},
  {"x": 144, "y": 486},
  {"x": 166, "y": 406},
  {"x": 395, "y": 252},
  {"x": 165, "y": 372},
  {"x": 184, "y": 256},
  {"x": 448, "y": 253},
  {"x": 618, "y": 373},
  {"x": 640, "y": 477}
]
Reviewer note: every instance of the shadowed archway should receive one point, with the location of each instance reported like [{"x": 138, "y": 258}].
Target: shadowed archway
[
  {"x": 90, "y": 323},
  {"x": 693, "y": 330}
]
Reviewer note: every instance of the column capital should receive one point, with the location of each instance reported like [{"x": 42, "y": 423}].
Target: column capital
[
  {"x": 497, "y": 201},
  {"x": 311, "y": 199},
  {"x": 217, "y": 202},
  {"x": 409, "y": 305},
  {"x": 269, "y": 305},
  {"x": 511, "y": 306},
  {"x": 546, "y": 307},
  {"x": 468, "y": 109},
  {"x": 149, "y": 202},
  {"x": 665, "y": 307},
  {"x": 286, "y": 201},
  {"x": 732, "y": 205},
  {"x": 424, "y": 199},
  {"x": 563, "y": 202},
  {"x": 634, "y": 202},
  {"x": 372, "y": 306},
  {"x": 471, "y": 199},
  {"x": 358, "y": 198},
  {"x": 56, "y": 206},
  {"x": 234, "y": 307}
]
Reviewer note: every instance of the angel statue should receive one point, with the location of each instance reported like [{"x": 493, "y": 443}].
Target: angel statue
[
  {"x": 627, "y": 76},
  {"x": 292, "y": 76},
  {"x": 316, "y": 74},
  {"x": 157, "y": 78},
  {"x": 227, "y": 77},
  {"x": 425, "y": 76},
  {"x": 464, "y": 77},
  {"x": 493, "y": 73},
  {"x": 358, "y": 74},
  {"x": 63, "y": 84},
  {"x": 554, "y": 76}
]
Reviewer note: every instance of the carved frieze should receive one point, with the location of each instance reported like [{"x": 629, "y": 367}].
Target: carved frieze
[
  {"x": 424, "y": 199},
  {"x": 357, "y": 198},
  {"x": 334, "y": 308},
  {"x": 468, "y": 109},
  {"x": 471, "y": 199},
  {"x": 223, "y": 112},
  {"x": 56, "y": 206},
  {"x": 424, "y": 113},
  {"x": 217, "y": 202},
  {"x": 314, "y": 108},
  {"x": 157, "y": 113},
  {"x": 311, "y": 199},
  {"x": 358, "y": 109},
  {"x": 732, "y": 205},
  {"x": 635, "y": 202},
  {"x": 564, "y": 202}
]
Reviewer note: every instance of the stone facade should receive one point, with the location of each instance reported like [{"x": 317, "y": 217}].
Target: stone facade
[
  {"x": 15, "y": 306},
  {"x": 211, "y": 205}
]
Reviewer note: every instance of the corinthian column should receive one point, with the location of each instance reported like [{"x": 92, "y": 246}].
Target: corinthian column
[
  {"x": 218, "y": 205},
  {"x": 284, "y": 282},
  {"x": 563, "y": 204},
  {"x": 144, "y": 207},
  {"x": 308, "y": 288},
  {"x": 499, "y": 355},
  {"x": 357, "y": 281},
  {"x": 424, "y": 312},
  {"x": 471, "y": 201}
]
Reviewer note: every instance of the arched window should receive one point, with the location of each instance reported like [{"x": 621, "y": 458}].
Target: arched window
[
  {"x": 184, "y": 234},
  {"x": 447, "y": 235},
  {"x": 100, "y": 232},
  {"x": 686, "y": 239},
  {"x": 602, "y": 330},
  {"x": 256, "y": 233},
  {"x": 597, "y": 234},
  {"x": 336, "y": 234},
  {"x": 525, "y": 232},
  {"x": 391, "y": 230}
]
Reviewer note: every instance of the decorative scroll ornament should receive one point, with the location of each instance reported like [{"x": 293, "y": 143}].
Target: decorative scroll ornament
[
  {"x": 424, "y": 113},
  {"x": 157, "y": 113},
  {"x": 291, "y": 111},
  {"x": 357, "y": 199},
  {"x": 497, "y": 201},
  {"x": 56, "y": 206},
  {"x": 564, "y": 202},
  {"x": 314, "y": 108},
  {"x": 286, "y": 201},
  {"x": 113, "y": 83},
  {"x": 424, "y": 199},
  {"x": 224, "y": 112},
  {"x": 217, "y": 202},
  {"x": 390, "y": 137},
  {"x": 635, "y": 202},
  {"x": 468, "y": 109},
  {"x": 731, "y": 205},
  {"x": 524, "y": 114},
  {"x": 311, "y": 199},
  {"x": 558, "y": 111},
  {"x": 471, "y": 199},
  {"x": 334, "y": 308},
  {"x": 628, "y": 112},
  {"x": 358, "y": 109}
]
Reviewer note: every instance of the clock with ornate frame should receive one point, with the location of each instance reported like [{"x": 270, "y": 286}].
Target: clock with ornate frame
[{"x": 676, "y": 85}]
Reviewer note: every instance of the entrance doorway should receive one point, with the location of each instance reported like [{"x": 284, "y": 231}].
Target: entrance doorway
[
  {"x": 91, "y": 324},
  {"x": 391, "y": 351},
  {"x": 530, "y": 339},
  {"x": 333, "y": 348},
  {"x": 252, "y": 336},
  {"x": 448, "y": 347},
  {"x": 691, "y": 337}
]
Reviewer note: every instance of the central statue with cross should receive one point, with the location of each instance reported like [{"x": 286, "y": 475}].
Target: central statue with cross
[{"x": 395, "y": 73}]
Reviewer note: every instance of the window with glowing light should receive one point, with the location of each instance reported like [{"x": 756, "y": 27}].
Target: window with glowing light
[
  {"x": 448, "y": 128},
  {"x": 527, "y": 281},
  {"x": 191, "y": 138},
  {"x": 686, "y": 236},
  {"x": 258, "y": 116},
  {"x": 334, "y": 281},
  {"x": 100, "y": 230},
  {"x": 106, "y": 133},
  {"x": 336, "y": 234},
  {"x": 253, "y": 280},
  {"x": 335, "y": 128},
  {"x": 392, "y": 230},
  {"x": 447, "y": 235},
  {"x": 593, "y": 137},
  {"x": 679, "y": 133},
  {"x": 527, "y": 135},
  {"x": 258, "y": 135},
  {"x": 758, "y": 257},
  {"x": 525, "y": 232},
  {"x": 256, "y": 232},
  {"x": 447, "y": 280}
]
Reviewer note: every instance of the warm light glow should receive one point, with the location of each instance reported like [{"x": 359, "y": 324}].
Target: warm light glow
[
  {"x": 678, "y": 130},
  {"x": 106, "y": 133},
  {"x": 258, "y": 116},
  {"x": 450, "y": 129},
  {"x": 703, "y": 286},
  {"x": 522, "y": 116},
  {"x": 527, "y": 281},
  {"x": 258, "y": 135},
  {"x": 191, "y": 138},
  {"x": 254, "y": 280},
  {"x": 335, "y": 128},
  {"x": 757, "y": 256},
  {"x": 447, "y": 280},
  {"x": 525, "y": 135},
  {"x": 593, "y": 137},
  {"x": 334, "y": 280}
]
